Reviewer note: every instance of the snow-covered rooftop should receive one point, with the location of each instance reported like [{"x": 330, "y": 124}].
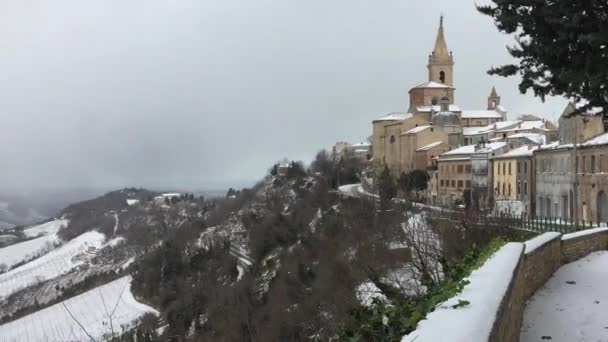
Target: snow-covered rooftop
[
  {"x": 416, "y": 129},
  {"x": 526, "y": 125},
  {"x": 599, "y": 140},
  {"x": 523, "y": 151},
  {"x": 430, "y": 146},
  {"x": 437, "y": 108},
  {"x": 474, "y": 114},
  {"x": 470, "y": 149},
  {"x": 395, "y": 116},
  {"x": 534, "y": 137},
  {"x": 432, "y": 84}
]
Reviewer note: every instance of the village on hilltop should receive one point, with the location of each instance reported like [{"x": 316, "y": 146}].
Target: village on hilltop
[{"x": 487, "y": 160}]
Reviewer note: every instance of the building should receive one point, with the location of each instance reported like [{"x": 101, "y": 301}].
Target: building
[
  {"x": 554, "y": 181},
  {"x": 456, "y": 176},
  {"x": 586, "y": 125},
  {"x": 593, "y": 179},
  {"x": 401, "y": 139},
  {"x": 513, "y": 181},
  {"x": 362, "y": 150}
]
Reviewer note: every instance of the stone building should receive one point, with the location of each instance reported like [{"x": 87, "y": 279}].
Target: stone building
[
  {"x": 593, "y": 179},
  {"x": 554, "y": 174},
  {"x": 432, "y": 117},
  {"x": 513, "y": 181},
  {"x": 587, "y": 126}
]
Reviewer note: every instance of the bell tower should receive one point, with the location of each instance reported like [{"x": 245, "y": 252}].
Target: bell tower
[
  {"x": 441, "y": 60},
  {"x": 493, "y": 99}
]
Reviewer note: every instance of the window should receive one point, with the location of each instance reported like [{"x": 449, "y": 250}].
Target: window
[
  {"x": 592, "y": 164},
  {"x": 453, "y": 183},
  {"x": 526, "y": 167},
  {"x": 509, "y": 168},
  {"x": 467, "y": 169},
  {"x": 392, "y": 140},
  {"x": 504, "y": 170},
  {"x": 452, "y": 168},
  {"x": 468, "y": 184},
  {"x": 578, "y": 166},
  {"x": 460, "y": 168},
  {"x": 441, "y": 182},
  {"x": 583, "y": 164},
  {"x": 519, "y": 187},
  {"x": 504, "y": 188},
  {"x": 460, "y": 183},
  {"x": 498, "y": 168},
  {"x": 509, "y": 189},
  {"x": 498, "y": 188},
  {"x": 518, "y": 167},
  {"x": 442, "y": 76},
  {"x": 526, "y": 188}
]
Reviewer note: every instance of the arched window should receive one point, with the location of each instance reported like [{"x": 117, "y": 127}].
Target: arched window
[
  {"x": 442, "y": 76},
  {"x": 504, "y": 188},
  {"x": 392, "y": 140},
  {"x": 434, "y": 101}
]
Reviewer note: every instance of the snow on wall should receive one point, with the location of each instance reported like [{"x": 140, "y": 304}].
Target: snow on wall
[
  {"x": 534, "y": 243},
  {"x": 583, "y": 233},
  {"x": 92, "y": 309},
  {"x": 485, "y": 292}
]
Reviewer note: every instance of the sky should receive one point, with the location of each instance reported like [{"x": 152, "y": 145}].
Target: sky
[{"x": 208, "y": 94}]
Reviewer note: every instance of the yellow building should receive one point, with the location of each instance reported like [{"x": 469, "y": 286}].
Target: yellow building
[{"x": 513, "y": 181}]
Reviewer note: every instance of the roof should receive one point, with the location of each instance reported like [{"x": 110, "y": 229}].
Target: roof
[
  {"x": 416, "y": 129},
  {"x": 361, "y": 144},
  {"x": 470, "y": 114},
  {"x": 432, "y": 84},
  {"x": 534, "y": 137},
  {"x": 523, "y": 151},
  {"x": 430, "y": 146},
  {"x": 473, "y": 130},
  {"x": 599, "y": 140},
  {"x": 526, "y": 125},
  {"x": 437, "y": 108},
  {"x": 489, "y": 128},
  {"x": 470, "y": 149},
  {"x": 395, "y": 116}
]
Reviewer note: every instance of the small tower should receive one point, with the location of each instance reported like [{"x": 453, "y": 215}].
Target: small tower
[
  {"x": 441, "y": 61},
  {"x": 493, "y": 100}
]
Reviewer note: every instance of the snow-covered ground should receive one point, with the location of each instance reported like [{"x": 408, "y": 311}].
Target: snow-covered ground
[
  {"x": 99, "y": 311},
  {"x": 29, "y": 249},
  {"x": 573, "y": 304},
  {"x": 51, "y": 227},
  {"x": 54, "y": 263}
]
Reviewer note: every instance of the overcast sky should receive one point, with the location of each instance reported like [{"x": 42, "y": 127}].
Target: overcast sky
[{"x": 200, "y": 93}]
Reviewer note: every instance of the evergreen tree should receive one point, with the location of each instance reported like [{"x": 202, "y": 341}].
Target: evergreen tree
[
  {"x": 562, "y": 47},
  {"x": 386, "y": 187}
]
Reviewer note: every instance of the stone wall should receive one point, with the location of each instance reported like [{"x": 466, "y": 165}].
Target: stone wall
[
  {"x": 576, "y": 246},
  {"x": 536, "y": 266}
]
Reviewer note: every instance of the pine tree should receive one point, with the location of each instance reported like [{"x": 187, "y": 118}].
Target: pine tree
[{"x": 562, "y": 47}]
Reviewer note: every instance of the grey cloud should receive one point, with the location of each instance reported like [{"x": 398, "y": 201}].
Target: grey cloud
[{"x": 192, "y": 93}]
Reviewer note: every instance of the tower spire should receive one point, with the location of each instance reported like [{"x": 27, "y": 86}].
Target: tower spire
[{"x": 440, "y": 50}]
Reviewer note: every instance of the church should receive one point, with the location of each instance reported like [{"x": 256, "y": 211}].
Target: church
[{"x": 433, "y": 123}]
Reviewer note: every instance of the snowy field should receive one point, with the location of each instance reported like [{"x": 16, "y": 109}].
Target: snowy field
[
  {"x": 53, "y": 264},
  {"x": 573, "y": 304},
  {"x": 16, "y": 253},
  {"x": 99, "y": 311}
]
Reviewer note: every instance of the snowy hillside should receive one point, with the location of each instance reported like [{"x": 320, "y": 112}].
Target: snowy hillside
[
  {"x": 47, "y": 232},
  {"x": 53, "y": 264},
  {"x": 95, "y": 313}
]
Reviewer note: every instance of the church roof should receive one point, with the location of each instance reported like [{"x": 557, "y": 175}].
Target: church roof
[
  {"x": 493, "y": 93},
  {"x": 437, "y": 108},
  {"x": 416, "y": 130},
  {"x": 394, "y": 117},
  {"x": 432, "y": 84},
  {"x": 441, "y": 47},
  {"x": 486, "y": 114},
  {"x": 430, "y": 146}
]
